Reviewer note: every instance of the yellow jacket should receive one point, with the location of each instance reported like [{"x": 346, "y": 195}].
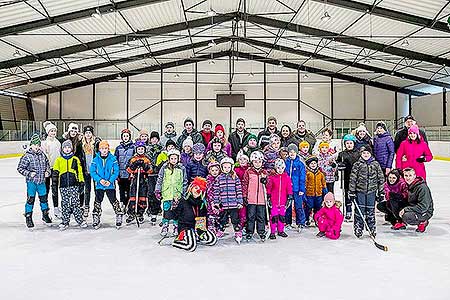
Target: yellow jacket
[{"x": 68, "y": 172}]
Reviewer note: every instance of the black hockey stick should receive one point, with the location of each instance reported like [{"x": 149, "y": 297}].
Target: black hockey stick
[{"x": 379, "y": 246}]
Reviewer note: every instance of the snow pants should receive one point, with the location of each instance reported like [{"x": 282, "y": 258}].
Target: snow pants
[
  {"x": 256, "y": 214},
  {"x": 366, "y": 203},
  {"x": 312, "y": 203},
  {"x": 70, "y": 204},
  {"x": 140, "y": 196},
  {"x": 327, "y": 226},
  {"x": 32, "y": 189},
  {"x": 299, "y": 210},
  {"x": 277, "y": 219},
  {"x": 232, "y": 213}
]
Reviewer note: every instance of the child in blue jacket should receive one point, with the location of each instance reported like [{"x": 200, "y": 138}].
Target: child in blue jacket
[
  {"x": 297, "y": 172},
  {"x": 104, "y": 171}
]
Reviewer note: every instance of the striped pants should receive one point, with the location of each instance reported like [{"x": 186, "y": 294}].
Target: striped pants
[{"x": 187, "y": 239}]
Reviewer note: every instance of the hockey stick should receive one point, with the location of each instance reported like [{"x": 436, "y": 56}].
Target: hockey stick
[
  {"x": 344, "y": 208},
  {"x": 379, "y": 246},
  {"x": 137, "y": 196}
]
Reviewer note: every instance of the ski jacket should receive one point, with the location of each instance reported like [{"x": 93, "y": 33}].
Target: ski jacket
[
  {"x": 188, "y": 209},
  {"x": 185, "y": 158},
  {"x": 367, "y": 177},
  {"x": 315, "y": 183},
  {"x": 77, "y": 148},
  {"x": 68, "y": 171},
  {"x": 347, "y": 159},
  {"x": 104, "y": 168},
  {"x": 333, "y": 217},
  {"x": 153, "y": 151},
  {"x": 171, "y": 183},
  {"x": 365, "y": 142},
  {"x": 196, "y": 137},
  {"x": 124, "y": 152},
  {"x": 402, "y": 135},
  {"x": 297, "y": 172},
  {"x": 252, "y": 188},
  {"x": 236, "y": 142},
  {"x": 195, "y": 168},
  {"x": 147, "y": 164},
  {"x": 327, "y": 163},
  {"x": 420, "y": 199},
  {"x": 34, "y": 161},
  {"x": 210, "y": 193},
  {"x": 52, "y": 149},
  {"x": 279, "y": 187},
  {"x": 227, "y": 191},
  {"x": 213, "y": 156},
  {"x": 397, "y": 190},
  {"x": 383, "y": 150},
  {"x": 413, "y": 150}
]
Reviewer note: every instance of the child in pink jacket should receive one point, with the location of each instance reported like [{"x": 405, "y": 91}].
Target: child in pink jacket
[
  {"x": 279, "y": 197},
  {"x": 240, "y": 168},
  {"x": 413, "y": 152},
  {"x": 329, "y": 218}
]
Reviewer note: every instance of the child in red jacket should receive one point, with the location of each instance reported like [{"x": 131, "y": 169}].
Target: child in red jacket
[
  {"x": 329, "y": 218},
  {"x": 279, "y": 197}
]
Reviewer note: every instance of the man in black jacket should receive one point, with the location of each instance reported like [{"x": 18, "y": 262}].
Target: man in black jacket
[
  {"x": 264, "y": 136},
  {"x": 402, "y": 134},
  {"x": 420, "y": 207},
  {"x": 189, "y": 130},
  {"x": 303, "y": 134},
  {"x": 237, "y": 137}
]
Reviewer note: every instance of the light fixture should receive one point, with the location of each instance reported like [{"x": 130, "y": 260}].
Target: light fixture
[
  {"x": 176, "y": 75},
  {"x": 305, "y": 76},
  {"x": 211, "y": 13},
  {"x": 97, "y": 14},
  {"x": 297, "y": 46},
  {"x": 325, "y": 17},
  {"x": 212, "y": 62},
  {"x": 119, "y": 76},
  {"x": 16, "y": 53},
  {"x": 30, "y": 81},
  {"x": 211, "y": 43},
  {"x": 280, "y": 65},
  {"x": 251, "y": 75},
  {"x": 405, "y": 43},
  {"x": 367, "y": 61}
]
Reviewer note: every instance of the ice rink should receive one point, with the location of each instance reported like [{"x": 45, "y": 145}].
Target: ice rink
[{"x": 129, "y": 264}]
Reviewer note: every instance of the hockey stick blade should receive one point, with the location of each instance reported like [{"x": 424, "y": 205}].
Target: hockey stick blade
[{"x": 381, "y": 247}]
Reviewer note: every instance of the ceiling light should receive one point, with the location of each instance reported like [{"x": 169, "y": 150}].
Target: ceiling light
[
  {"x": 97, "y": 14},
  {"x": 211, "y": 43},
  {"x": 176, "y": 75},
  {"x": 305, "y": 76},
  {"x": 367, "y": 61},
  {"x": 280, "y": 65},
  {"x": 16, "y": 53},
  {"x": 211, "y": 13},
  {"x": 297, "y": 46},
  {"x": 326, "y": 17},
  {"x": 212, "y": 62},
  {"x": 119, "y": 76},
  {"x": 405, "y": 43},
  {"x": 251, "y": 74}
]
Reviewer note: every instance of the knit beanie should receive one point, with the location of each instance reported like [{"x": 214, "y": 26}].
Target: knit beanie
[
  {"x": 154, "y": 134},
  {"x": 198, "y": 148},
  {"x": 143, "y": 132},
  {"x": 292, "y": 147},
  {"x": 49, "y": 126},
  {"x": 35, "y": 139},
  {"x": 170, "y": 124},
  {"x": 361, "y": 127},
  {"x": 365, "y": 148},
  {"x": 250, "y": 136},
  {"x": 311, "y": 159},
  {"x": 207, "y": 122},
  {"x": 188, "y": 142},
  {"x": 170, "y": 142},
  {"x": 219, "y": 127},
  {"x": 88, "y": 128},
  {"x": 188, "y": 120},
  {"x": 103, "y": 144},
  {"x": 329, "y": 196},
  {"x": 72, "y": 126},
  {"x": 414, "y": 128},
  {"x": 382, "y": 125},
  {"x": 67, "y": 143}
]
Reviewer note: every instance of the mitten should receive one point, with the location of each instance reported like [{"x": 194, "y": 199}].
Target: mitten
[
  {"x": 421, "y": 159},
  {"x": 263, "y": 180},
  {"x": 289, "y": 201},
  {"x": 269, "y": 201}
]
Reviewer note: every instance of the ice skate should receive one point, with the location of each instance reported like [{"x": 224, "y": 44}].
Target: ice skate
[
  {"x": 282, "y": 234},
  {"x": 95, "y": 221},
  {"x": 175, "y": 230},
  {"x": 29, "y": 220},
  {"x": 140, "y": 219},
  {"x": 129, "y": 219},
  {"x": 320, "y": 234},
  {"x": 262, "y": 237},
  {"x": 46, "y": 218},
  {"x": 119, "y": 218},
  {"x": 84, "y": 224},
  {"x": 238, "y": 237},
  {"x": 63, "y": 226},
  {"x": 153, "y": 220},
  {"x": 348, "y": 217},
  {"x": 248, "y": 237},
  {"x": 57, "y": 212},
  {"x": 272, "y": 236},
  {"x": 421, "y": 227}
]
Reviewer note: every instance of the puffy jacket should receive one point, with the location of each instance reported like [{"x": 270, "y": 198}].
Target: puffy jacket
[
  {"x": 34, "y": 161},
  {"x": 187, "y": 210},
  {"x": 383, "y": 150},
  {"x": 68, "y": 171},
  {"x": 252, "y": 188},
  {"x": 347, "y": 159},
  {"x": 195, "y": 135},
  {"x": 213, "y": 156},
  {"x": 147, "y": 164},
  {"x": 153, "y": 150},
  {"x": 333, "y": 217},
  {"x": 195, "y": 168},
  {"x": 210, "y": 192},
  {"x": 104, "y": 168},
  {"x": 306, "y": 136},
  {"x": 419, "y": 198},
  {"x": 52, "y": 149},
  {"x": 226, "y": 148},
  {"x": 279, "y": 187},
  {"x": 173, "y": 183},
  {"x": 297, "y": 172},
  {"x": 236, "y": 142},
  {"x": 402, "y": 135},
  {"x": 77, "y": 148},
  {"x": 185, "y": 158},
  {"x": 367, "y": 177},
  {"x": 124, "y": 152},
  {"x": 270, "y": 156},
  {"x": 240, "y": 171},
  {"x": 365, "y": 142},
  {"x": 413, "y": 150},
  {"x": 227, "y": 191},
  {"x": 315, "y": 182},
  {"x": 328, "y": 165},
  {"x": 397, "y": 190}
]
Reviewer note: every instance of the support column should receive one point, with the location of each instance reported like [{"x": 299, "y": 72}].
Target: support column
[
  {"x": 46, "y": 106},
  {"x": 364, "y": 103},
  {"x": 60, "y": 105},
  {"x": 444, "y": 107},
  {"x": 196, "y": 94},
  {"x": 299, "y": 97},
  {"x": 395, "y": 110},
  {"x": 127, "y": 99},
  {"x": 162, "y": 99},
  {"x": 409, "y": 104},
  {"x": 332, "y": 102},
  {"x": 93, "y": 102},
  {"x": 265, "y": 94},
  {"x": 14, "y": 112}
]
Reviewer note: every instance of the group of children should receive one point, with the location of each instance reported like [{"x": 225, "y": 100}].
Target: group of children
[{"x": 199, "y": 189}]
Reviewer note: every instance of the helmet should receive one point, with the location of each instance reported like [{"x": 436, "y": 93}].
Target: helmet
[
  {"x": 227, "y": 160},
  {"x": 256, "y": 155},
  {"x": 139, "y": 143},
  {"x": 173, "y": 152},
  {"x": 241, "y": 155},
  {"x": 279, "y": 163},
  {"x": 125, "y": 130},
  {"x": 213, "y": 163},
  {"x": 349, "y": 137}
]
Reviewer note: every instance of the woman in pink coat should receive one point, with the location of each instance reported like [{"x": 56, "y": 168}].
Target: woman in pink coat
[
  {"x": 413, "y": 152},
  {"x": 279, "y": 196},
  {"x": 329, "y": 218}
]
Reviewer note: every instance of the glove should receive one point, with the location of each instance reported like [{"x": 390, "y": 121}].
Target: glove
[
  {"x": 351, "y": 196},
  {"x": 263, "y": 180},
  {"x": 158, "y": 195},
  {"x": 421, "y": 159},
  {"x": 341, "y": 166},
  {"x": 269, "y": 202},
  {"x": 239, "y": 206},
  {"x": 81, "y": 188},
  {"x": 380, "y": 198},
  {"x": 32, "y": 174},
  {"x": 289, "y": 201},
  {"x": 245, "y": 201}
]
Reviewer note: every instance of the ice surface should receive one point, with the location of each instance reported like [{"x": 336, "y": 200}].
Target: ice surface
[{"x": 129, "y": 264}]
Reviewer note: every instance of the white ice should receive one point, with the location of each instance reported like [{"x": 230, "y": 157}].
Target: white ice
[{"x": 129, "y": 264}]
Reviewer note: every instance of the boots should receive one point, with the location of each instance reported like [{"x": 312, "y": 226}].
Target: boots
[
  {"x": 422, "y": 226},
  {"x": 320, "y": 234},
  {"x": 175, "y": 230},
  {"x": 399, "y": 226},
  {"x": 238, "y": 236},
  {"x": 165, "y": 229},
  {"x": 46, "y": 217},
  {"x": 272, "y": 236},
  {"x": 282, "y": 234},
  {"x": 119, "y": 218},
  {"x": 29, "y": 219},
  {"x": 96, "y": 221}
]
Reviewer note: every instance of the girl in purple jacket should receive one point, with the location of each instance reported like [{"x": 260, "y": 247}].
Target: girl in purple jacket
[{"x": 383, "y": 148}]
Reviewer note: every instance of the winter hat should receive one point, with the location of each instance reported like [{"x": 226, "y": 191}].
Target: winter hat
[
  {"x": 49, "y": 126},
  {"x": 188, "y": 120},
  {"x": 216, "y": 140},
  {"x": 173, "y": 152},
  {"x": 72, "y": 126},
  {"x": 256, "y": 155},
  {"x": 143, "y": 132},
  {"x": 207, "y": 122},
  {"x": 382, "y": 125},
  {"x": 198, "y": 148},
  {"x": 365, "y": 148},
  {"x": 279, "y": 163},
  {"x": 67, "y": 143},
  {"x": 35, "y": 139},
  {"x": 219, "y": 127},
  {"x": 361, "y": 127},
  {"x": 88, "y": 128},
  {"x": 242, "y": 155},
  {"x": 329, "y": 196},
  {"x": 170, "y": 142},
  {"x": 103, "y": 144},
  {"x": 170, "y": 124},
  {"x": 293, "y": 147},
  {"x": 139, "y": 144},
  {"x": 409, "y": 117},
  {"x": 188, "y": 142},
  {"x": 240, "y": 120},
  {"x": 250, "y": 136},
  {"x": 154, "y": 134},
  {"x": 311, "y": 159},
  {"x": 414, "y": 128},
  {"x": 274, "y": 137},
  {"x": 303, "y": 144},
  {"x": 324, "y": 144}
]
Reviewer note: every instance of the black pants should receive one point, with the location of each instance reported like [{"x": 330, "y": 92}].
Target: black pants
[
  {"x": 330, "y": 187},
  {"x": 140, "y": 196},
  {"x": 154, "y": 205},
  {"x": 256, "y": 213},
  {"x": 412, "y": 218},
  {"x": 99, "y": 195},
  {"x": 54, "y": 185},
  {"x": 232, "y": 213},
  {"x": 124, "y": 190},
  {"x": 87, "y": 189},
  {"x": 391, "y": 208},
  {"x": 348, "y": 203}
]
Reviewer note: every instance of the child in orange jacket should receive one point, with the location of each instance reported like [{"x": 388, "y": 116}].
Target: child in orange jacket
[{"x": 316, "y": 187}]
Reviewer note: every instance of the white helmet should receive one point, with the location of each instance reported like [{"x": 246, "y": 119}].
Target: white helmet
[
  {"x": 226, "y": 160},
  {"x": 256, "y": 155},
  {"x": 279, "y": 163},
  {"x": 173, "y": 152}
]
